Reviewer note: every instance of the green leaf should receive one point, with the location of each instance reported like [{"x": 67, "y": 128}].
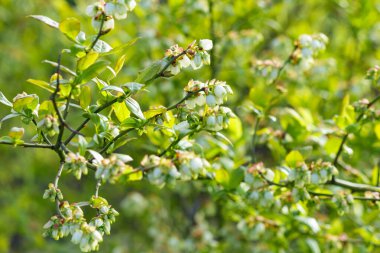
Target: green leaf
[
  {"x": 119, "y": 64},
  {"x": 82, "y": 145},
  {"x": 131, "y": 123},
  {"x": 236, "y": 177},
  {"x": 121, "y": 111},
  {"x": 310, "y": 222},
  {"x": 70, "y": 27},
  {"x": 87, "y": 60},
  {"x": 223, "y": 138},
  {"x": 133, "y": 87},
  {"x": 7, "y": 139},
  {"x": 116, "y": 89},
  {"x": 153, "y": 112},
  {"x": 134, "y": 107},
  {"x": 375, "y": 175},
  {"x": 376, "y": 129},
  {"x": 102, "y": 47},
  {"x": 120, "y": 49},
  {"x": 9, "y": 116},
  {"x": 313, "y": 245},
  {"x": 294, "y": 158},
  {"x": 92, "y": 72},
  {"x": 28, "y": 102},
  {"x": 151, "y": 72},
  {"x": 222, "y": 177},
  {"x": 62, "y": 67},
  {"x": 46, "y": 108},
  {"x": 46, "y": 20},
  {"x": 4, "y": 100},
  {"x": 41, "y": 84},
  {"x": 85, "y": 97}
]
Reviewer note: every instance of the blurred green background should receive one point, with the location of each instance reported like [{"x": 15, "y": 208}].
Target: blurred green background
[{"x": 172, "y": 219}]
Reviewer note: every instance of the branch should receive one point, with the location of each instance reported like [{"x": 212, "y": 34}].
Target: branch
[
  {"x": 56, "y": 181},
  {"x": 42, "y": 133},
  {"x": 100, "y": 108},
  {"x": 172, "y": 107},
  {"x": 29, "y": 145},
  {"x": 354, "y": 186},
  {"x": 100, "y": 33},
  {"x": 345, "y": 137}
]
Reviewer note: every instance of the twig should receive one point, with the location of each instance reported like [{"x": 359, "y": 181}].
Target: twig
[
  {"x": 345, "y": 137},
  {"x": 29, "y": 145},
  {"x": 42, "y": 133},
  {"x": 56, "y": 181},
  {"x": 100, "y": 33},
  {"x": 100, "y": 108}
]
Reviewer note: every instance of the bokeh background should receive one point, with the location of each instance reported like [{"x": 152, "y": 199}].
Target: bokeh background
[{"x": 174, "y": 219}]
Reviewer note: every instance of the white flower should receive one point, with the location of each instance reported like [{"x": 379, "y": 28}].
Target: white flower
[
  {"x": 211, "y": 121},
  {"x": 77, "y": 236},
  {"x": 190, "y": 103},
  {"x": 305, "y": 40},
  {"x": 205, "y": 44},
  {"x": 104, "y": 209},
  {"x": 196, "y": 164},
  {"x": 48, "y": 224},
  {"x": 306, "y": 52},
  {"x": 205, "y": 58},
  {"x": 197, "y": 61},
  {"x": 131, "y": 4},
  {"x": 220, "y": 91},
  {"x": 97, "y": 236},
  {"x": 200, "y": 99},
  {"x": 109, "y": 9},
  {"x": 182, "y": 127},
  {"x": 210, "y": 100},
  {"x": 174, "y": 70},
  {"x": 184, "y": 62}
]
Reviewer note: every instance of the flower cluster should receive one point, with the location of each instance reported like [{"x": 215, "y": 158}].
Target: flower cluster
[
  {"x": 267, "y": 68},
  {"x": 62, "y": 226},
  {"x": 52, "y": 193},
  {"x": 76, "y": 164},
  {"x": 321, "y": 172},
  {"x": 374, "y": 74},
  {"x": 106, "y": 215},
  {"x": 50, "y": 125},
  {"x": 195, "y": 56},
  {"x": 103, "y": 13},
  {"x": 72, "y": 222},
  {"x": 213, "y": 94},
  {"x": 190, "y": 165},
  {"x": 110, "y": 169},
  {"x": 343, "y": 202},
  {"x": 162, "y": 170},
  {"x": 312, "y": 45}
]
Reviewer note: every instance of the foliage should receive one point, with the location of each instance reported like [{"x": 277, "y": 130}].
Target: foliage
[{"x": 273, "y": 166}]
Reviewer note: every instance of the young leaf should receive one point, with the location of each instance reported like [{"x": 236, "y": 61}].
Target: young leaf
[
  {"x": 120, "y": 49},
  {"x": 293, "y": 159},
  {"x": 151, "y": 72},
  {"x": 92, "y": 72},
  {"x": 85, "y": 97},
  {"x": 9, "y": 116},
  {"x": 133, "y": 87},
  {"x": 70, "y": 27},
  {"x": 121, "y": 111},
  {"x": 87, "y": 61},
  {"x": 119, "y": 64},
  {"x": 41, "y": 84},
  {"x": 62, "y": 67},
  {"x": 4, "y": 100},
  {"x": 134, "y": 107},
  {"x": 114, "y": 88},
  {"x": 46, "y": 20},
  {"x": 153, "y": 112}
]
